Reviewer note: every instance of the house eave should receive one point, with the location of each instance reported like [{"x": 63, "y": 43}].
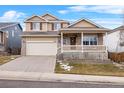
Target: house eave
[
  {"x": 48, "y": 21},
  {"x": 84, "y": 30},
  {"x": 39, "y": 35}
]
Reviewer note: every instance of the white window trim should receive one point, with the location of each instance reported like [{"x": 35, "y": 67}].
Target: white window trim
[
  {"x": 13, "y": 33},
  {"x": 36, "y": 24},
  {"x": 7, "y": 34},
  {"x": 89, "y": 38},
  {"x": 57, "y": 26}
]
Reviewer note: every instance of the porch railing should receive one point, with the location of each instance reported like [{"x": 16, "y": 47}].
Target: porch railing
[{"x": 83, "y": 48}]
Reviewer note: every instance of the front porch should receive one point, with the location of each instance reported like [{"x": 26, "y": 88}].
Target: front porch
[
  {"x": 83, "y": 48},
  {"x": 81, "y": 42}
]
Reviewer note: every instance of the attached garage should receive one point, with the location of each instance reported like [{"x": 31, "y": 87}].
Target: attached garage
[
  {"x": 41, "y": 48},
  {"x": 39, "y": 43}
]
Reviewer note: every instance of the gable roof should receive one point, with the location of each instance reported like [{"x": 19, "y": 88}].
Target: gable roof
[
  {"x": 120, "y": 28},
  {"x": 34, "y": 16},
  {"x": 50, "y": 15},
  {"x": 4, "y": 25},
  {"x": 87, "y": 20}
]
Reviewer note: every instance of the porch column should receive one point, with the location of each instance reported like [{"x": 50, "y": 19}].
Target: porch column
[
  {"x": 61, "y": 42},
  {"x": 82, "y": 41},
  {"x": 46, "y": 27},
  {"x": 105, "y": 42},
  {"x": 2, "y": 38}
]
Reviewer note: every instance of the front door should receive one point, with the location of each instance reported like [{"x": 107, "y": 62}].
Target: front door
[{"x": 73, "y": 42}]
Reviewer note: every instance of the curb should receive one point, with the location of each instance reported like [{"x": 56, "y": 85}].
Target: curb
[{"x": 51, "y": 77}]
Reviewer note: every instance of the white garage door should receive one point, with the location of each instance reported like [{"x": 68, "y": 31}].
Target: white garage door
[{"x": 41, "y": 48}]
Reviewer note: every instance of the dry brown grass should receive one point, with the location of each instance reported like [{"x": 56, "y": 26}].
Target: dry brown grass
[
  {"x": 92, "y": 69},
  {"x": 5, "y": 59}
]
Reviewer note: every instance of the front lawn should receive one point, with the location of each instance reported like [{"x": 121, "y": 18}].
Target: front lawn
[
  {"x": 89, "y": 69},
  {"x": 5, "y": 59}
]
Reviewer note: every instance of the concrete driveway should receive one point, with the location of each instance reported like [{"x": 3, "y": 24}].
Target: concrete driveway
[{"x": 44, "y": 64}]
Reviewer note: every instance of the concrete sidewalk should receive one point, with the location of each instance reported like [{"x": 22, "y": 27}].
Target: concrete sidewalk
[{"x": 36, "y": 76}]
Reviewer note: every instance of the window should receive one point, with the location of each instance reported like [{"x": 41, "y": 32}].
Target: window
[
  {"x": 90, "y": 40},
  {"x": 7, "y": 34},
  {"x": 93, "y": 41},
  {"x": 86, "y": 41},
  {"x": 16, "y": 28},
  {"x": 57, "y": 26},
  {"x": 36, "y": 26},
  {"x": 12, "y": 33}
]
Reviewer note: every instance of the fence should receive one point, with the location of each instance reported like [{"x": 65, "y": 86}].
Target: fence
[{"x": 116, "y": 57}]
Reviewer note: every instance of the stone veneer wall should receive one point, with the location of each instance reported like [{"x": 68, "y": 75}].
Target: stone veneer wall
[{"x": 85, "y": 56}]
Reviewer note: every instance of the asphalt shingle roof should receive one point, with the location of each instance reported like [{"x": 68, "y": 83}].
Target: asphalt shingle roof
[
  {"x": 40, "y": 33},
  {"x": 6, "y": 24},
  {"x": 120, "y": 28}
]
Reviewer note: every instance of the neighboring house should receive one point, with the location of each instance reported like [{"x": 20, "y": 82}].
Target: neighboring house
[
  {"x": 2, "y": 41},
  {"x": 115, "y": 40},
  {"x": 48, "y": 35},
  {"x": 13, "y": 31}
]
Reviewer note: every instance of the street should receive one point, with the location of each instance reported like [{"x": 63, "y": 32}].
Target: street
[{"x": 45, "y": 84}]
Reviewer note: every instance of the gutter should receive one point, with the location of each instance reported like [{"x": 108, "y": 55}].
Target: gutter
[{"x": 39, "y": 35}]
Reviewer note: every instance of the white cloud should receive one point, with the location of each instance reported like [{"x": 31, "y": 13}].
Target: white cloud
[
  {"x": 11, "y": 16},
  {"x": 105, "y": 22},
  {"x": 77, "y": 8},
  {"x": 109, "y": 22},
  {"x": 107, "y": 9},
  {"x": 63, "y": 11},
  {"x": 98, "y": 9}
]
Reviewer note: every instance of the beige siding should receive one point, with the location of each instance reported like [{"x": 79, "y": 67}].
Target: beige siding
[
  {"x": 83, "y": 24},
  {"x": 78, "y": 40},
  {"x": 44, "y": 26},
  {"x": 48, "y": 17},
  {"x": 28, "y": 26},
  {"x": 100, "y": 39},
  {"x": 35, "y": 18},
  {"x": 40, "y": 39},
  {"x": 23, "y": 48},
  {"x": 64, "y": 25},
  {"x": 49, "y": 26}
]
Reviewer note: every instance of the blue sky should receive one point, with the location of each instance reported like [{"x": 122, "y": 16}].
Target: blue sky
[{"x": 107, "y": 16}]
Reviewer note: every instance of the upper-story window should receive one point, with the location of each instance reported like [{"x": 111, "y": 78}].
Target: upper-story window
[
  {"x": 57, "y": 26},
  {"x": 35, "y": 26}
]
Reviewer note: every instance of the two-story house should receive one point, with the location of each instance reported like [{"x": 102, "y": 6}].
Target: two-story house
[
  {"x": 41, "y": 35},
  {"x": 48, "y": 35}
]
